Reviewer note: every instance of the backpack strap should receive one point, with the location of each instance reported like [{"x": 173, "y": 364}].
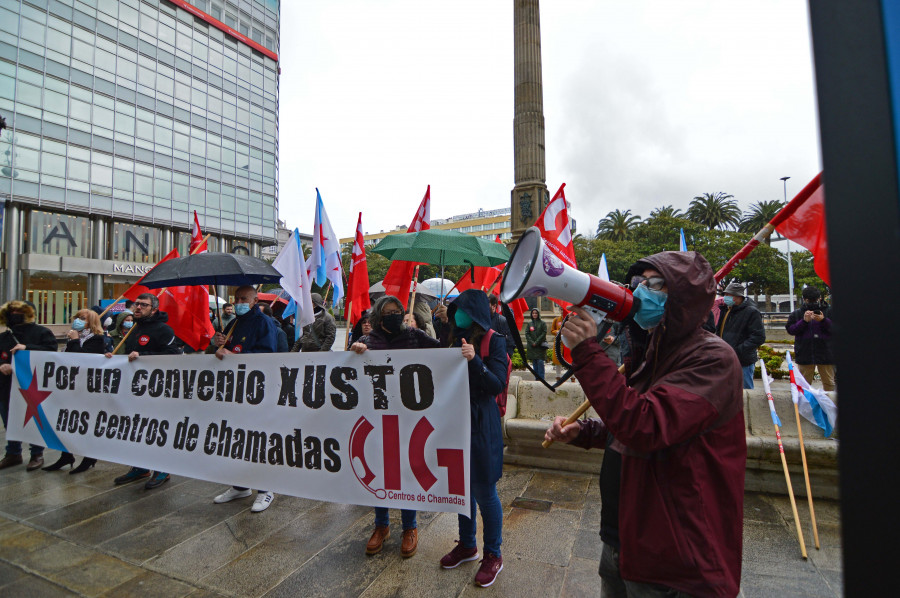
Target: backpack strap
[{"x": 485, "y": 349}]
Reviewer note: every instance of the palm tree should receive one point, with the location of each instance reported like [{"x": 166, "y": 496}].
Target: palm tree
[
  {"x": 617, "y": 225},
  {"x": 715, "y": 210},
  {"x": 665, "y": 212},
  {"x": 759, "y": 215}
]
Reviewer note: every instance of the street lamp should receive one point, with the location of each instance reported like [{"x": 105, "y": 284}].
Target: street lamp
[{"x": 784, "y": 179}]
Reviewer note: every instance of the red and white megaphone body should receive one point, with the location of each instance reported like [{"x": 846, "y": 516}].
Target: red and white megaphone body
[{"x": 534, "y": 271}]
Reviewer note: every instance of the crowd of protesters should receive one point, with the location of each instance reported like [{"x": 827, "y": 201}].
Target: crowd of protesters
[{"x": 706, "y": 439}]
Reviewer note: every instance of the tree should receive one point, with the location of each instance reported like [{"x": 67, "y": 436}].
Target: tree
[
  {"x": 759, "y": 215},
  {"x": 664, "y": 212},
  {"x": 617, "y": 225},
  {"x": 715, "y": 210}
]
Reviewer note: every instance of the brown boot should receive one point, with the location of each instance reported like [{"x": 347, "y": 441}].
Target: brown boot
[
  {"x": 410, "y": 542},
  {"x": 36, "y": 463},
  {"x": 377, "y": 540},
  {"x": 10, "y": 460}
]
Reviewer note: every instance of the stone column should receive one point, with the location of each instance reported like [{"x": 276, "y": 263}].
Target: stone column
[
  {"x": 98, "y": 252},
  {"x": 529, "y": 196},
  {"x": 12, "y": 243}
]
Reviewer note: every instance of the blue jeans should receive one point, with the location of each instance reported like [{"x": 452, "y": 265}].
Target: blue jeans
[
  {"x": 485, "y": 496},
  {"x": 538, "y": 365},
  {"x": 14, "y": 447},
  {"x": 748, "y": 375},
  {"x": 407, "y": 517}
]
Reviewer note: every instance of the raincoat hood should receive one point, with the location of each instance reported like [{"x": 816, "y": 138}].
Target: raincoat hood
[
  {"x": 475, "y": 303},
  {"x": 691, "y": 288},
  {"x": 121, "y": 318}
]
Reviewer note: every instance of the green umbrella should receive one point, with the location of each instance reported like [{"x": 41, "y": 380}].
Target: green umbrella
[{"x": 442, "y": 248}]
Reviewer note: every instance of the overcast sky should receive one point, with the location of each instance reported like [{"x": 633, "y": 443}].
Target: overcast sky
[{"x": 645, "y": 104}]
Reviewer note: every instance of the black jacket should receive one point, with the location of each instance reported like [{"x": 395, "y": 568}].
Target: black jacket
[
  {"x": 741, "y": 327},
  {"x": 95, "y": 344},
  {"x": 33, "y": 336},
  {"x": 152, "y": 336}
]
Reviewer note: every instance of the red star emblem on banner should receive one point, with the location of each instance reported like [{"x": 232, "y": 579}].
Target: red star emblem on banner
[{"x": 33, "y": 397}]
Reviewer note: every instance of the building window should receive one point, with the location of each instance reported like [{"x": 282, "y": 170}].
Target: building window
[
  {"x": 136, "y": 243},
  {"x": 58, "y": 234}
]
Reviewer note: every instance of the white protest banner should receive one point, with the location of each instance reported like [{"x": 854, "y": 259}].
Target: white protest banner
[{"x": 386, "y": 428}]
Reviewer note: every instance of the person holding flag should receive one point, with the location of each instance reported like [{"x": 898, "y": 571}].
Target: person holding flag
[
  {"x": 320, "y": 334},
  {"x": 672, "y": 426},
  {"x": 150, "y": 335}
]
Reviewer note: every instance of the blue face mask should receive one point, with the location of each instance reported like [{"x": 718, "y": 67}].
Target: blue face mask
[
  {"x": 127, "y": 325},
  {"x": 462, "y": 319},
  {"x": 729, "y": 300},
  {"x": 241, "y": 309},
  {"x": 653, "y": 306},
  {"x": 78, "y": 324}
]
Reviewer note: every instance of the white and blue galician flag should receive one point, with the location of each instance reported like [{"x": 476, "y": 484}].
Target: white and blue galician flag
[
  {"x": 292, "y": 266},
  {"x": 325, "y": 260},
  {"x": 682, "y": 246},
  {"x": 602, "y": 271},
  {"x": 812, "y": 403}
]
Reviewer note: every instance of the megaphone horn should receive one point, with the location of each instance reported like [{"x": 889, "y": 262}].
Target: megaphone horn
[{"x": 534, "y": 271}]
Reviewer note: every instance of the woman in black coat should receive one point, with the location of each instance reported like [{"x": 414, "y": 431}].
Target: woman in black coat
[{"x": 86, "y": 336}]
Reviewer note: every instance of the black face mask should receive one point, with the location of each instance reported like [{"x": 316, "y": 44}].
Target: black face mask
[
  {"x": 392, "y": 323},
  {"x": 14, "y": 319}
]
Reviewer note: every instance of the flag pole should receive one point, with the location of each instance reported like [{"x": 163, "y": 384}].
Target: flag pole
[
  {"x": 122, "y": 342},
  {"x": 764, "y": 233},
  {"x": 412, "y": 296},
  {"x": 348, "y": 313},
  {"x": 787, "y": 476},
  {"x": 577, "y": 413},
  {"x": 812, "y": 511}
]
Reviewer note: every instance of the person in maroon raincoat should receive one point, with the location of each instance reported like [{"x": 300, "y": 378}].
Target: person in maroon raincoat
[{"x": 672, "y": 480}]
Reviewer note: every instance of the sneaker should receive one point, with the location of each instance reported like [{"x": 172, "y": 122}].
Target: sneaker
[
  {"x": 135, "y": 473},
  {"x": 460, "y": 554},
  {"x": 262, "y": 502},
  {"x": 487, "y": 573},
  {"x": 159, "y": 478},
  {"x": 231, "y": 494}
]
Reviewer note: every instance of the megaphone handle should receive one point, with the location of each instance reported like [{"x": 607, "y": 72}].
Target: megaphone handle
[{"x": 578, "y": 412}]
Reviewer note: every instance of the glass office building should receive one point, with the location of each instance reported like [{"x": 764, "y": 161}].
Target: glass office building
[{"x": 123, "y": 118}]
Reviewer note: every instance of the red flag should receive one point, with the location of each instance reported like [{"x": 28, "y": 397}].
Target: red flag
[
  {"x": 188, "y": 311},
  {"x": 397, "y": 280},
  {"x": 358, "y": 278},
  {"x": 484, "y": 277},
  {"x": 139, "y": 289},
  {"x": 803, "y": 221},
  {"x": 557, "y": 232},
  {"x": 198, "y": 244}
]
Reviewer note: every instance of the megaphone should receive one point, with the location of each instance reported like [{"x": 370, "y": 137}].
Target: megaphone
[{"x": 534, "y": 271}]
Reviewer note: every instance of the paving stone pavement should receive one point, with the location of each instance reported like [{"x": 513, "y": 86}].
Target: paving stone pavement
[{"x": 64, "y": 535}]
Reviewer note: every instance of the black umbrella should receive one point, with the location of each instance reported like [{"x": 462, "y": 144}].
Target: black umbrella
[{"x": 228, "y": 269}]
